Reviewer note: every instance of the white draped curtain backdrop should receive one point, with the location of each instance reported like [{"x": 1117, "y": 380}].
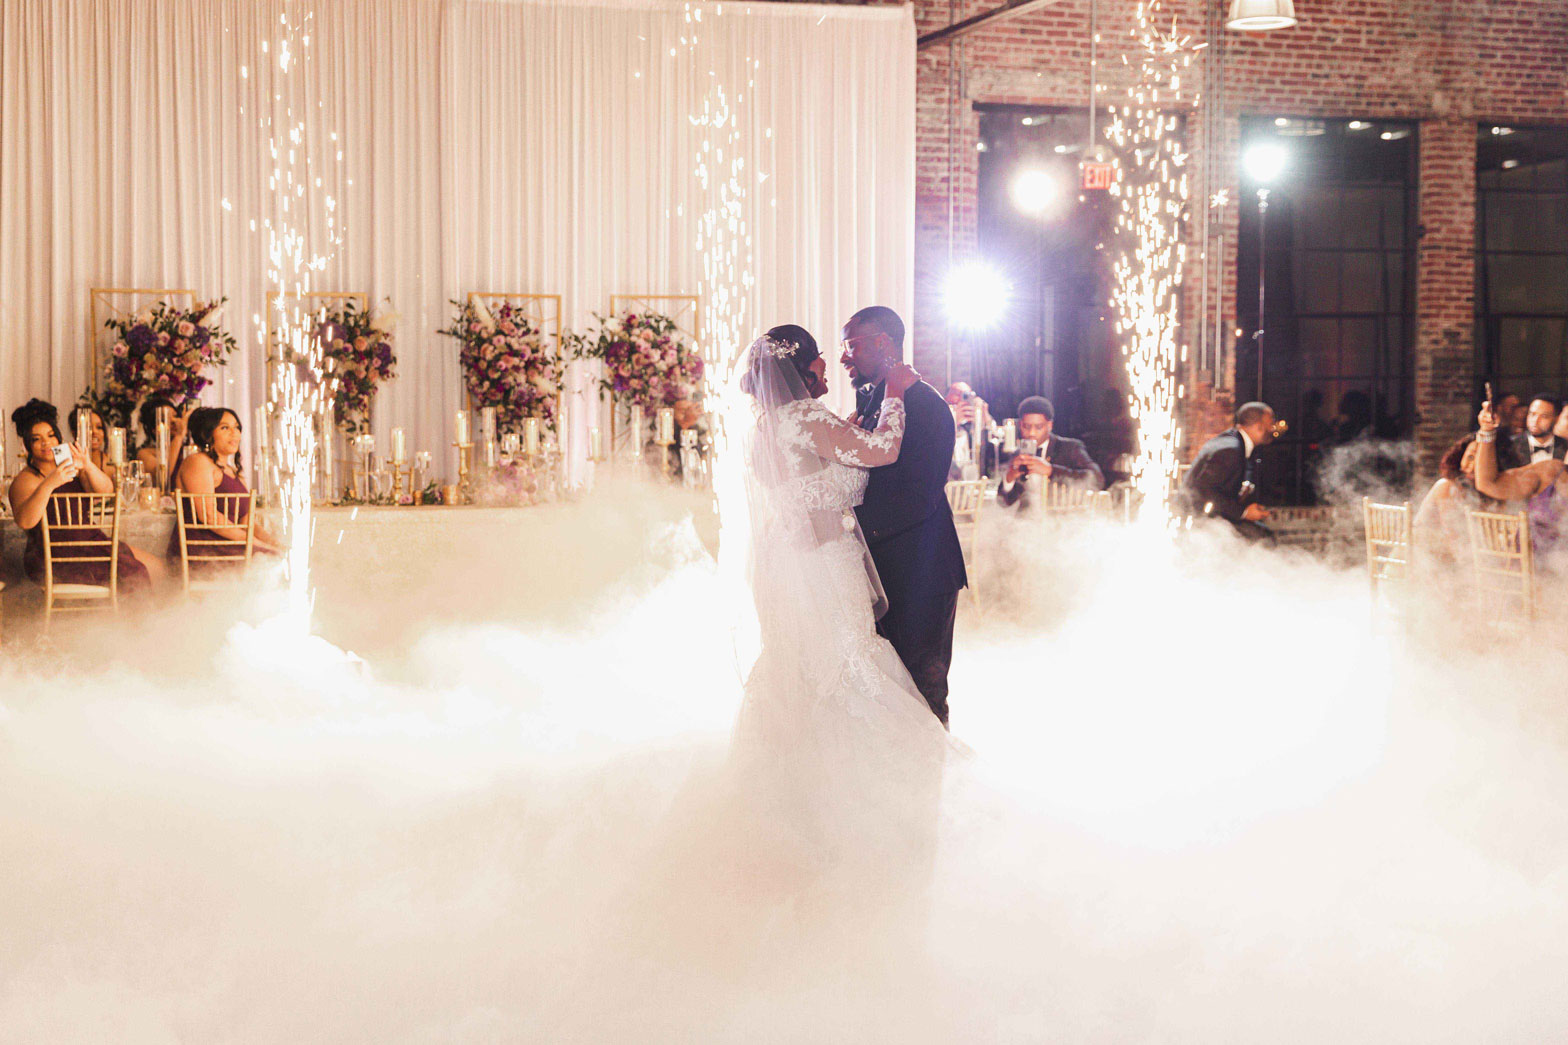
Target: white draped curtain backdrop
[{"x": 460, "y": 145}]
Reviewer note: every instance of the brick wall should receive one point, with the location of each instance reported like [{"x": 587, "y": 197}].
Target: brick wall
[{"x": 1445, "y": 63}]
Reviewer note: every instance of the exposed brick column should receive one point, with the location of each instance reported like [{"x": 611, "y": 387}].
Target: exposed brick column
[{"x": 1445, "y": 289}]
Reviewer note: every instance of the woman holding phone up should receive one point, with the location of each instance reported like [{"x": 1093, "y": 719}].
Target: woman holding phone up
[{"x": 53, "y": 467}]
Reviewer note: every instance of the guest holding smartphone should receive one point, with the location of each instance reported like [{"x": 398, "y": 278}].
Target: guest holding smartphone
[{"x": 55, "y": 467}]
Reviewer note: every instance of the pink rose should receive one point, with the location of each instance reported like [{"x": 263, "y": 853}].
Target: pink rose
[
  {"x": 121, "y": 349},
  {"x": 163, "y": 337},
  {"x": 185, "y": 328},
  {"x": 474, "y": 328}
]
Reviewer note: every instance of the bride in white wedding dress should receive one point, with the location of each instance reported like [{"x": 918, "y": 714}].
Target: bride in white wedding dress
[{"x": 832, "y": 731}]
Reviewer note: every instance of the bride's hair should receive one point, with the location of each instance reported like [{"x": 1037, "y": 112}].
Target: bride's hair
[{"x": 787, "y": 343}]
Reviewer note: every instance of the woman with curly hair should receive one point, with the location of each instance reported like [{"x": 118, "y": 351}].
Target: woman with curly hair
[{"x": 38, "y": 424}]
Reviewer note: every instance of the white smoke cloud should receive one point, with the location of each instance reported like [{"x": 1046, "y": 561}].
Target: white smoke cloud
[{"x": 1209, "y": 800}]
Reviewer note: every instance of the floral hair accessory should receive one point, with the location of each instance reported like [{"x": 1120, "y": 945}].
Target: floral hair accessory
[{"x": 778, "y": 348}]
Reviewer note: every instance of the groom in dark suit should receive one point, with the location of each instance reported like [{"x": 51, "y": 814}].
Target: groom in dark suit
[{"x": 905, "y": 515}]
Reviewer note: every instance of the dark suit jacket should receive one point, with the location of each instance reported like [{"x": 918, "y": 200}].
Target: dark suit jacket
[
  {"x": 1522, "y": 447},
  {"x": 1070, "y": 463},
  {"x": 1214, "y": 484},
  {"x": 905, "y": 516}
]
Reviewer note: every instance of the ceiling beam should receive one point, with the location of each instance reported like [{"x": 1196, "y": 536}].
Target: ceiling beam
[{"x": 1010, "y": 9}]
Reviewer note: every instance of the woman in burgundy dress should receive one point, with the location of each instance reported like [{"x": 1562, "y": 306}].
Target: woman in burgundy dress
[
  {"x": 214, "y": 467},
  {"x": 38, "y": 424}
]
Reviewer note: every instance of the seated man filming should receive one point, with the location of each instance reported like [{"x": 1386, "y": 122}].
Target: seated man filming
[{"x": 1045, "y": 456}]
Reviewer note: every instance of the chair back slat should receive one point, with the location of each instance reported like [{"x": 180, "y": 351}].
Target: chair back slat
[
  {"x": 1504, "y": 561},
  {"x": 1389, "y": 540},
  {"x": 66, "y": 517},
  {"x": 211, "y": 512},
  {"x": 1068, "y": 497},
  {"x": 965, "y": 497}
]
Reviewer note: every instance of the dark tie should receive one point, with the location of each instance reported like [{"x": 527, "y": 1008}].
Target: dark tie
[{"x": 868, "y": 405}]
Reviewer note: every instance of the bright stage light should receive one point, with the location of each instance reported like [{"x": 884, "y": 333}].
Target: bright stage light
[
  {"x": 1265, "y": 162},
  {"x": 976, "y": 295},
  {"x": 1034, "y": 191}
]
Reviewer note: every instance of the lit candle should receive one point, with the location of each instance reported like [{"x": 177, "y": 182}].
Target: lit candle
[
  {"x": 462, "y": 428},
  {"x": 666, "y": 426},
  {"x": 636, "y": 431},
  {"x": 116, "y": 446},
  {"x": 399, "y": 447},
  {"x": 595, "y": 443},
  {"x": 487, "y": 432},
  {"x": 531, "y": 436},
  {"x": 84, "y": 429},
  {"x": 1010, "y": 436}
]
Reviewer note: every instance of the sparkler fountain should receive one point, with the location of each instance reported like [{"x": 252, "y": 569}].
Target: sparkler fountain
[
  {"x": 301, "y": 386},
  {"x": 1151, "y": 197}
]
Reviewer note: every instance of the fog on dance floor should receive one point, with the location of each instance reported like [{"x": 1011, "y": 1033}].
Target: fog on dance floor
[{"x": 1209, "y": 796}]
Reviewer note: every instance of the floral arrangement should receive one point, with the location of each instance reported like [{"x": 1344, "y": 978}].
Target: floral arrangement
[
  {"x": 162, "y": 350},
  {"x": 646, "y": 361},
  {"x": 506, "y": 364},
  {"x": 361, "y": 343}
]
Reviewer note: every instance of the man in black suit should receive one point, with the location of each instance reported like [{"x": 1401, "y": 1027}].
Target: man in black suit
[
  {"x": 1537, "y": 442},
  {"x": 1223, "y": 480},
  {"x": 905, "y": 515},
  {"x": 1058, "y": 459}
]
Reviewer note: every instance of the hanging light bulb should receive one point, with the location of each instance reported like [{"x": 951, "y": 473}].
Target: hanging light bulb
[{"x": 1256, "y": 15}]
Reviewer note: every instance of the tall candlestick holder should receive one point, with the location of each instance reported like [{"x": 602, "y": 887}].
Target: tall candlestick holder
[{"x": 465, "y": 469}]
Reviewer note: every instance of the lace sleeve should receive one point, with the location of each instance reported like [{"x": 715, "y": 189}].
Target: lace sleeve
[{"x": 834, "y": 439}]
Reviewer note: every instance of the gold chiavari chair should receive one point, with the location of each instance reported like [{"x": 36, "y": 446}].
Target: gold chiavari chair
[
  {"x": 1064, "y": 498},
  {"x": 213, "y": 554},
  {"x": 1389, "y": 543},
  {"x": 89, "y": 525},
  {"x": 1504, "y": 562},
  {"x": 966, "y": 498}
]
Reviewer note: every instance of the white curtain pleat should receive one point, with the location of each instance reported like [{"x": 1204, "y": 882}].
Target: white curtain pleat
[{"x": 541, "y": 147}]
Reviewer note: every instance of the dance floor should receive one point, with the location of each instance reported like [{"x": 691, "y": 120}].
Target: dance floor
[{"x": 1205, "y": 798}]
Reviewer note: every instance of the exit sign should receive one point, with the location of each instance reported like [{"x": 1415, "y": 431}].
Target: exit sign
[{"x": 1097, "y": 174}]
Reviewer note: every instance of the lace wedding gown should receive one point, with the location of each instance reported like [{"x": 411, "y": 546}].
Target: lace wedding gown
[{"x": 833, "y": 738}]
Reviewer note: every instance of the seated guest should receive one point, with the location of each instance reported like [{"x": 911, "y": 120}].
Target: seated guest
[
  {"x": 1542, "y": 486},
  {"x": 1058, "y": 459},
  {"x": 178, "y": 424},
  {"x": 1510, "y": 411},
  {"x": 38, "y": 425},
  {"x": 688, "y": 418},
  {"x": 1223, "y": 480},
  {"x": 99, "y": 442},
  {"x": 1440, "y": 523},
  {"x": 1537, "y": 442},
  {"x": 961, "y": 401},
  {"x": 214, "y": 467}
]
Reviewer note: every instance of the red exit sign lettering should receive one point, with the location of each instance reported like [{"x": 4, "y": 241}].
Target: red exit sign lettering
[{"x": 1097, "y": 175}]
